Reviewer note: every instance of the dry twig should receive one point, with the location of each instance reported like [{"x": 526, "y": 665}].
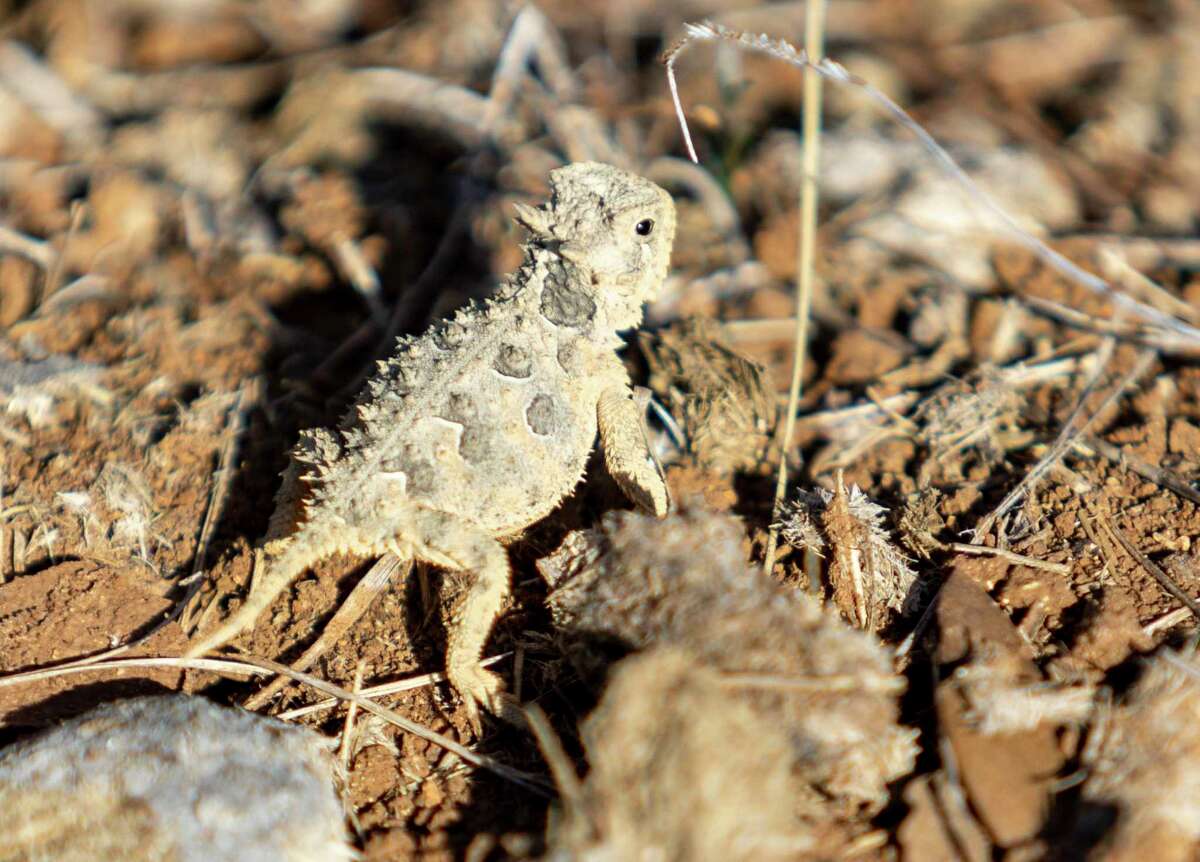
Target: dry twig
[
  {"x": 1151, "y": 567},
  {"x": 410, "y": 684}
]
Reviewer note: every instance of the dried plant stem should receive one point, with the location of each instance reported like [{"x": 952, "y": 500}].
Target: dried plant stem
[
  {"x": 235, "y": 426},
  {"x": 1159, "y": 475},
  {"x": 1167, "y": 621},
  {"x": 224, "y": 667},
  {"x": 570, "y": 789},
  {"x": 1151, "y": 567},
  {"x": 39, "y": 251},
  {"x": 1011, "y": 556},
  {"x": 344, "y": 749},
  {"x": 814, "y": 29}
]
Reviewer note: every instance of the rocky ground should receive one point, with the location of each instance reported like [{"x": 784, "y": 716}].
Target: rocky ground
[{"x": 976, "y": 638}]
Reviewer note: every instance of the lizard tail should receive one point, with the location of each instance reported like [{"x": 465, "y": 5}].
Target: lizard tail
[{"x": 278, "y": 570}]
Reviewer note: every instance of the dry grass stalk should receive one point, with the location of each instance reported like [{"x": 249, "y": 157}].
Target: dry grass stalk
[
  {"x": 1091, "y": 445},
  {"x": 1152, "y": 568},
  {"x": 40, "y": 252},
  {"x": 345, "y": 746},
  {"x": 235, "y": 425},
  {"x": 529, "y": 782},
  {"x": 410, "y": 684}
]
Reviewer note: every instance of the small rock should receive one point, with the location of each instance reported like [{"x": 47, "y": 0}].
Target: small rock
[{"x": 171, "y": 778}]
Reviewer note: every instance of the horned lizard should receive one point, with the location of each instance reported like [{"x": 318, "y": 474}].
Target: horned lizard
[{"x": 478, "y": 428}]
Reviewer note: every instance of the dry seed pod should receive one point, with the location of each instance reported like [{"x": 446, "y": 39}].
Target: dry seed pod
[
  {"x": 724, "y": 401},
  {"x": 868, "y": 575},
  {"x": 685, "y": 582},
  {"x": 173, "y": 778}
]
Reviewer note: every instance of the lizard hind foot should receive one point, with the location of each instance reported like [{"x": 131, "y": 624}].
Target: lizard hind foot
[{"x": 482, "y": 688}]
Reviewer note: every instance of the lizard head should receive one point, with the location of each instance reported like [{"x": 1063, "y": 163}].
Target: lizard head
[{"x": 612, "y": 224}]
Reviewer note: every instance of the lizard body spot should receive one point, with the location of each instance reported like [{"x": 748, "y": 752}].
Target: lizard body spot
[
  {"x": 542, "y": 415},
  {"x": 459, "y": 408},
  {"x": 570, "y": 356},
  {"x": 422, "y": 478},
  {"x": 562, "y": 302},
  {"x": 475, "y": 445}
]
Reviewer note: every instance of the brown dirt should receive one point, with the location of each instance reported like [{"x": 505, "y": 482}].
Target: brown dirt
[{"x": 199, "y": 304}]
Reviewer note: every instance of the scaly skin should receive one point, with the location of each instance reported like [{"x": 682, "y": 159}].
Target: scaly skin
[{"x": 480, "y": 427}]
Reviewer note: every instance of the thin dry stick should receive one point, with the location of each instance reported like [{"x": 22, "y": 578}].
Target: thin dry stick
[
  {"x": 364, "y": 593},
  {"x": 1011, "y": 556},
  {"x": 38, "y": 251},
  {"x": 1118, "y": 270},
  {"x": 529, "y": 782},
  {"x": 54, "y": 275},
  {"x": 384, "y": 689},
  {"x": 1152, "y": 336},
  {"x": 570, "y": 790},
  {"x": 1164, "y": 580},
  {"x": 353, "y": 265},
  {"x": 1167, "y": 621},
  {"x": 814, "y": 30},
  {"x": 216, "y": 505},
  {"x": 348, "y": 727},
  {"x": 1067, "y": 436},
  {"x": 224, "y": 667}
]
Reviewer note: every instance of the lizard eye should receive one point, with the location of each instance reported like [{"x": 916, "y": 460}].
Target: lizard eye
[{"x": 644, "y": 227}]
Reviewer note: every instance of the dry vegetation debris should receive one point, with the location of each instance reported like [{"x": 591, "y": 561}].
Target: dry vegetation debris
[
  {"x": 683, "y": 767},
  {"x": 641, "y": 584},
  {"x": 1141, "y": 771}
]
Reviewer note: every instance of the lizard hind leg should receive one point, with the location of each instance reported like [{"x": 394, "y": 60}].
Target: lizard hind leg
[
  {"x": 453, "y": 543},
  {"x": 275, "y": 566}
]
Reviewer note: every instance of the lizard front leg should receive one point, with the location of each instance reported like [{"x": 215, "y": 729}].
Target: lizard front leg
[{"x": 627, "y": 451}]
